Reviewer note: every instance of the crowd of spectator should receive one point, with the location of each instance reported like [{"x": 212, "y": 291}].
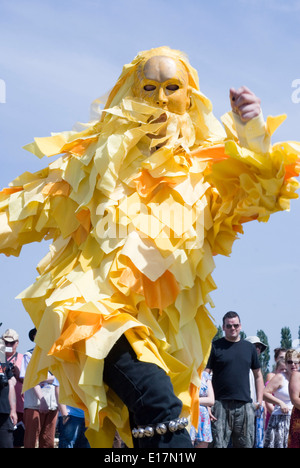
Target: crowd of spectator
[{"x": 237, "y": 408}]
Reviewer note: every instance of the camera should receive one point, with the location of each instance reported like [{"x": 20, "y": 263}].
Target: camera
[{"x": 6, "y": 375}]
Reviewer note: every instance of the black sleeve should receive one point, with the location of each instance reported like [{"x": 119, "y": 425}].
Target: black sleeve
[
  {"x": 210, "y": 362},
  {"x": 255, "y": 361}
]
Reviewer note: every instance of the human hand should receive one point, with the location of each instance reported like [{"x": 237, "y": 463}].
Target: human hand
[
  {"x": 284, "y": 408},
  {"x": 211, "y": 416},
  {"x": 244, "y": 103},
  {"x": 13, "y": 417},
  {"x": 44, "y": 408},
  {"x": 16, "y": 372},
  {"x": 65, "y": 419}
]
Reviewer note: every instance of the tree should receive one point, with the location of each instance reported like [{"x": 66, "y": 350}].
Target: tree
[
  {"x": 264, "y": 357},
  {"x": 219, "y": 333},
  {"x": 286, "y": 338}
]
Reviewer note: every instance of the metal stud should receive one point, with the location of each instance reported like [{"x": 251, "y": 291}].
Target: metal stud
[
  {"x": 182, "y": 423},
  {"x": 161, "y": 428},
  {"x": 149, "y": 431},
  {"x": 173, "y": 426}
]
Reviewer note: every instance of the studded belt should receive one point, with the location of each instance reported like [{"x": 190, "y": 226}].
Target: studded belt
[{"x": 160, "y": 428}]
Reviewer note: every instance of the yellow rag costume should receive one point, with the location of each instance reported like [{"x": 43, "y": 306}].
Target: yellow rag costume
[{"x": 137, "y": 205}]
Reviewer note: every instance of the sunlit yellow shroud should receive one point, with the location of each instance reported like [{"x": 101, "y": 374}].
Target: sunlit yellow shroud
[{"x": 136, "y": 219}]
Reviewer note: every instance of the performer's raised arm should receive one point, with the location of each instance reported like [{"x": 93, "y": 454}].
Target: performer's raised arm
[
  {"x": 26, "y": 210},
  {"x": 248, "y": 119},
  {"x": 251, "y": 177}
]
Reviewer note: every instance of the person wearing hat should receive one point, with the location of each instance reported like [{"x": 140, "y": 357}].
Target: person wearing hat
[
  {"x": 260, "y": 348},
  {"x": 8, "y": 415},
  {"x": 260, "y": 410},
  {"x": 10, "y": 336},
  {"x": 259, "y": 345},
  {"x": 11, "y": 341}
]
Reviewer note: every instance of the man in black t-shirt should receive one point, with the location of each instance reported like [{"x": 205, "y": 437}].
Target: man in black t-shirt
[{"x": 230, "y": 362}]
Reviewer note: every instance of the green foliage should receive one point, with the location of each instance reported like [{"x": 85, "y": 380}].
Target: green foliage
[
  {"x": 264, "y": 357},
  {"x": 286, "y": 338},
  {"x": 219, "y": 333}
]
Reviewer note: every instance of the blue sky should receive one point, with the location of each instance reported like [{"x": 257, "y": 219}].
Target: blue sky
[{"x": 56, "y": 57}]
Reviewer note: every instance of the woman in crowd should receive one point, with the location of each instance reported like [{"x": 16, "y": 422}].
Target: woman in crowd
[
  {"x": 280, "y": 367},
  {"x": 279, "y": 355},
  {"x": 277, "y": 393},
  {"x": 294, "y": 390},
  {"x": 202, "y": 436}
]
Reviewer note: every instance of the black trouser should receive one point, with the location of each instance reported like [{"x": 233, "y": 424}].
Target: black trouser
[
  {"x": 147, "y": 392},
  {"x": 6, "y": 431}
]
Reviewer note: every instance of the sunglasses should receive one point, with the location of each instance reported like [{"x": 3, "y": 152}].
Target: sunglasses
[
  {"x": 235, "y": 325},
  {"x": 293, "y": 362}
]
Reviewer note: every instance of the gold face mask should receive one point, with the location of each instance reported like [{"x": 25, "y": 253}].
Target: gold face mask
[{"x": 162, "y": 81}]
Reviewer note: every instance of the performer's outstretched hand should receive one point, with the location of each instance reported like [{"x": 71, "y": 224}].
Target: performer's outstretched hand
[{"x": 244, "y": 103}]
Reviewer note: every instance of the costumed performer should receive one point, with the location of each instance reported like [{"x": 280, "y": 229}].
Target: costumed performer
[{"x": 137, "y": 205}]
